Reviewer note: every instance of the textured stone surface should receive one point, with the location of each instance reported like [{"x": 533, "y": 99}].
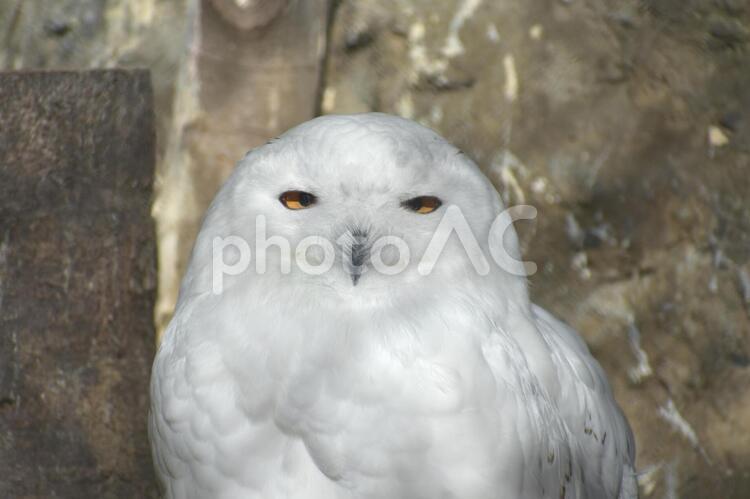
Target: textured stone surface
[
  {"x": 627, "y": 125},
  {"x": 77, "y": 283},
  {"x": 81, "y": 34}
]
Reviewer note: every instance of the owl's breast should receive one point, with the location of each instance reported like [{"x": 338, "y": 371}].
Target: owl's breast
[{"x": 422, "y": 426}]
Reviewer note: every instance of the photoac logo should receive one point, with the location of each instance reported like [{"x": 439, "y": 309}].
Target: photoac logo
[{"x": 316, "y": 255}]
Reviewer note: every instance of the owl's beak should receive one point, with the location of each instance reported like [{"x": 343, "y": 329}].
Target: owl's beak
[{"x": 358, "y": 254}]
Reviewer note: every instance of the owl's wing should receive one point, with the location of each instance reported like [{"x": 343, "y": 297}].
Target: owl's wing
[
  {"x": 203, "y": 441},
  {"x": 213, "y": 436},
  {"x": 170, "y": 412},
  {"x": 199, "y": 434},
  {"x": 588, "y": 407}
]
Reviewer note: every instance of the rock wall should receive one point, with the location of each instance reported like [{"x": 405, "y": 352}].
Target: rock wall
[{"x": 625, "y": 122}]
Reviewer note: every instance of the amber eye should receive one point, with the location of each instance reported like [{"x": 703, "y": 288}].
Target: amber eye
[
  {"x": 422, "y": 204},
  {"x": 297, "y": 200}
]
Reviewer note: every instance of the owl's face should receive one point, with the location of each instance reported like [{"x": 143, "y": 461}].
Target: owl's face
[{"x": 350, "y": 204}]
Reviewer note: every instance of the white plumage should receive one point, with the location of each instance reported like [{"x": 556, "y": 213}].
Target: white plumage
[{"x": 449, "y": 385}]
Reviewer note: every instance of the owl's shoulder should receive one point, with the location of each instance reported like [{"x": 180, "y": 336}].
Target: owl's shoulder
[{"x": 587, "y": 405}]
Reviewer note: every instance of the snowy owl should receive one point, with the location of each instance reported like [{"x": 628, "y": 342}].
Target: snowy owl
[{"x": 318, "y": 352}]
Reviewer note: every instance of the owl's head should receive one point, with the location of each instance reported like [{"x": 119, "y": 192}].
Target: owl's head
[{"x": 368, "y": 208}]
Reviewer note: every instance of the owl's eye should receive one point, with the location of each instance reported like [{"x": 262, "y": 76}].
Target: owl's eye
[
  {"x": 422, "y": 204},
  {"x": 297, "y": 200}
]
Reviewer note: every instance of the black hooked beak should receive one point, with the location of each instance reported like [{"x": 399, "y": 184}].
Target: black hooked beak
[{"x": 359, "y": 253}]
